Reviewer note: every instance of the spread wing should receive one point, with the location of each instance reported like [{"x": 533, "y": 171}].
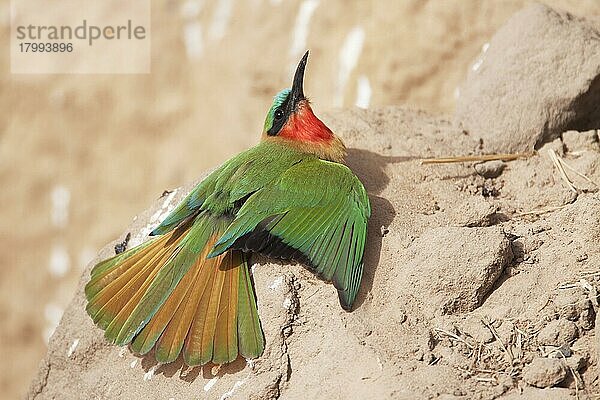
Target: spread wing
[{"x": 315, "y": 213}]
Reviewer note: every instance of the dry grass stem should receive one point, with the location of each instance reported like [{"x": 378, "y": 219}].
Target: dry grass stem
[
  {"x": 541, "y": 211},
  {"x": 561, "y": 169},
  {"x": 497, "y": 337},
  {"x": 590, "y": 273},
  {"x": 455, "y": 337},
  {"x": 562, "y": 165},
  {"x": 584, "y": 177},
  {"x": 483, "y": 157}
]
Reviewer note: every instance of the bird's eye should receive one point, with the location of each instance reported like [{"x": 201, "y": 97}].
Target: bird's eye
[{"x": 278, "y": 114}]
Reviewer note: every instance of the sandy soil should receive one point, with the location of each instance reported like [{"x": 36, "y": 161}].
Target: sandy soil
[
  {"x": 462, "y": 292},
  {"x": 81, "y": 155}
]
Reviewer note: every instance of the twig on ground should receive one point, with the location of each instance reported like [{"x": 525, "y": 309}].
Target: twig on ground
[
  {"x": 561, "y": 165},
  {"x": 592, "y": 292},
  {"x": 497, "y": 337},
  {"x": 541, "y": 211},
  {"x": 584, "y": 177},
  {"x": 455, "y": 337},
  {"x": 525, "y": 335},
  {"x": 483, "y": 157},
  {"x": 590, "y": 273},
  {"x": 555, "y": 158}
]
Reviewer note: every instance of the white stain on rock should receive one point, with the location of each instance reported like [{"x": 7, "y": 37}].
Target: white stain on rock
[
  {"x": 191, "y": 9},
  {"x": 363, "y": 92},
  {"x": 349, "y": 55},
  {"x": 167, "y": 207},
  {"x": 235, "y": 387},
  {"x": 192, "y": 38},
  {"x": 72, "y": 348},
  {"x": 53, "y": 313},
  {"x": 477, "y": 64},
  {"x": 210, "y": 383},
  {"x": 287, "y": 303},
  {"x": 148, "y": 375},
  {"x": 59, "y": 263},
  {"x": 159, "y": 216},
  {"x": 276, "y": 283},
  {"x": 301, "y": 28},
  {"x": 220, "y": 20},
  {"x": 60, "y": 197}
]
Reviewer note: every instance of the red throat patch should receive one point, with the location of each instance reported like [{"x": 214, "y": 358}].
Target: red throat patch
[{"x": 304, "y": 126}]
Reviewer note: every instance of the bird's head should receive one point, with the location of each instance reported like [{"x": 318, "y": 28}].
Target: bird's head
[{"x": 291, "y": 120}]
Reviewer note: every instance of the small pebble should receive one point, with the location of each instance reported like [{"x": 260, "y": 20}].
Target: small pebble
[
  {"x": 558, "y": 333},
  {"x": 490, "y": 169},
  {"x": 544, "y": 372},
  {"x": 122, "y": 246},
  {"x": 384, "y": 231},
  {"x": 419, "y": 355},
  {"x": 402, "y": 316}
]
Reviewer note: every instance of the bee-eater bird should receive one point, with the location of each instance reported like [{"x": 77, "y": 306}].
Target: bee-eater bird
[{"x": 188, "y": 289}]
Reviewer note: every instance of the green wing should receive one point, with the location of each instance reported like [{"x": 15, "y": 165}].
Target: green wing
[
  {"x": 227, "y": 186},
  {"x": 315, "y": 213}
]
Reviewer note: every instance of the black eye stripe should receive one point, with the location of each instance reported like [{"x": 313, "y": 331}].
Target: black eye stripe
[{"x": 279, "y": 117}]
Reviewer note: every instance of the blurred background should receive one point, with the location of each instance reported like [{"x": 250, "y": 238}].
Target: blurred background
[{"x": 80, "y": 155}]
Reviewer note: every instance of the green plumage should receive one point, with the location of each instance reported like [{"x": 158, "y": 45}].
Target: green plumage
[{"x": 302, "y": 207}]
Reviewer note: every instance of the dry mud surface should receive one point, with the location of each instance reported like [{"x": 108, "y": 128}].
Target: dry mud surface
[{"x": 466, "y": 293}]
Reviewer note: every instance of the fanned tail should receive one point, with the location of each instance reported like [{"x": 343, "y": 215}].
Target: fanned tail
[{"x": 165, "y": 294}]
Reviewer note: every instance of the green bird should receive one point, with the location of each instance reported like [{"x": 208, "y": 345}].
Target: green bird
[{"x": 188, "y": 289}]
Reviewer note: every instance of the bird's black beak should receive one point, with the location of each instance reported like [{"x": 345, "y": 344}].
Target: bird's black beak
[{"x": 297, "y": 93}]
